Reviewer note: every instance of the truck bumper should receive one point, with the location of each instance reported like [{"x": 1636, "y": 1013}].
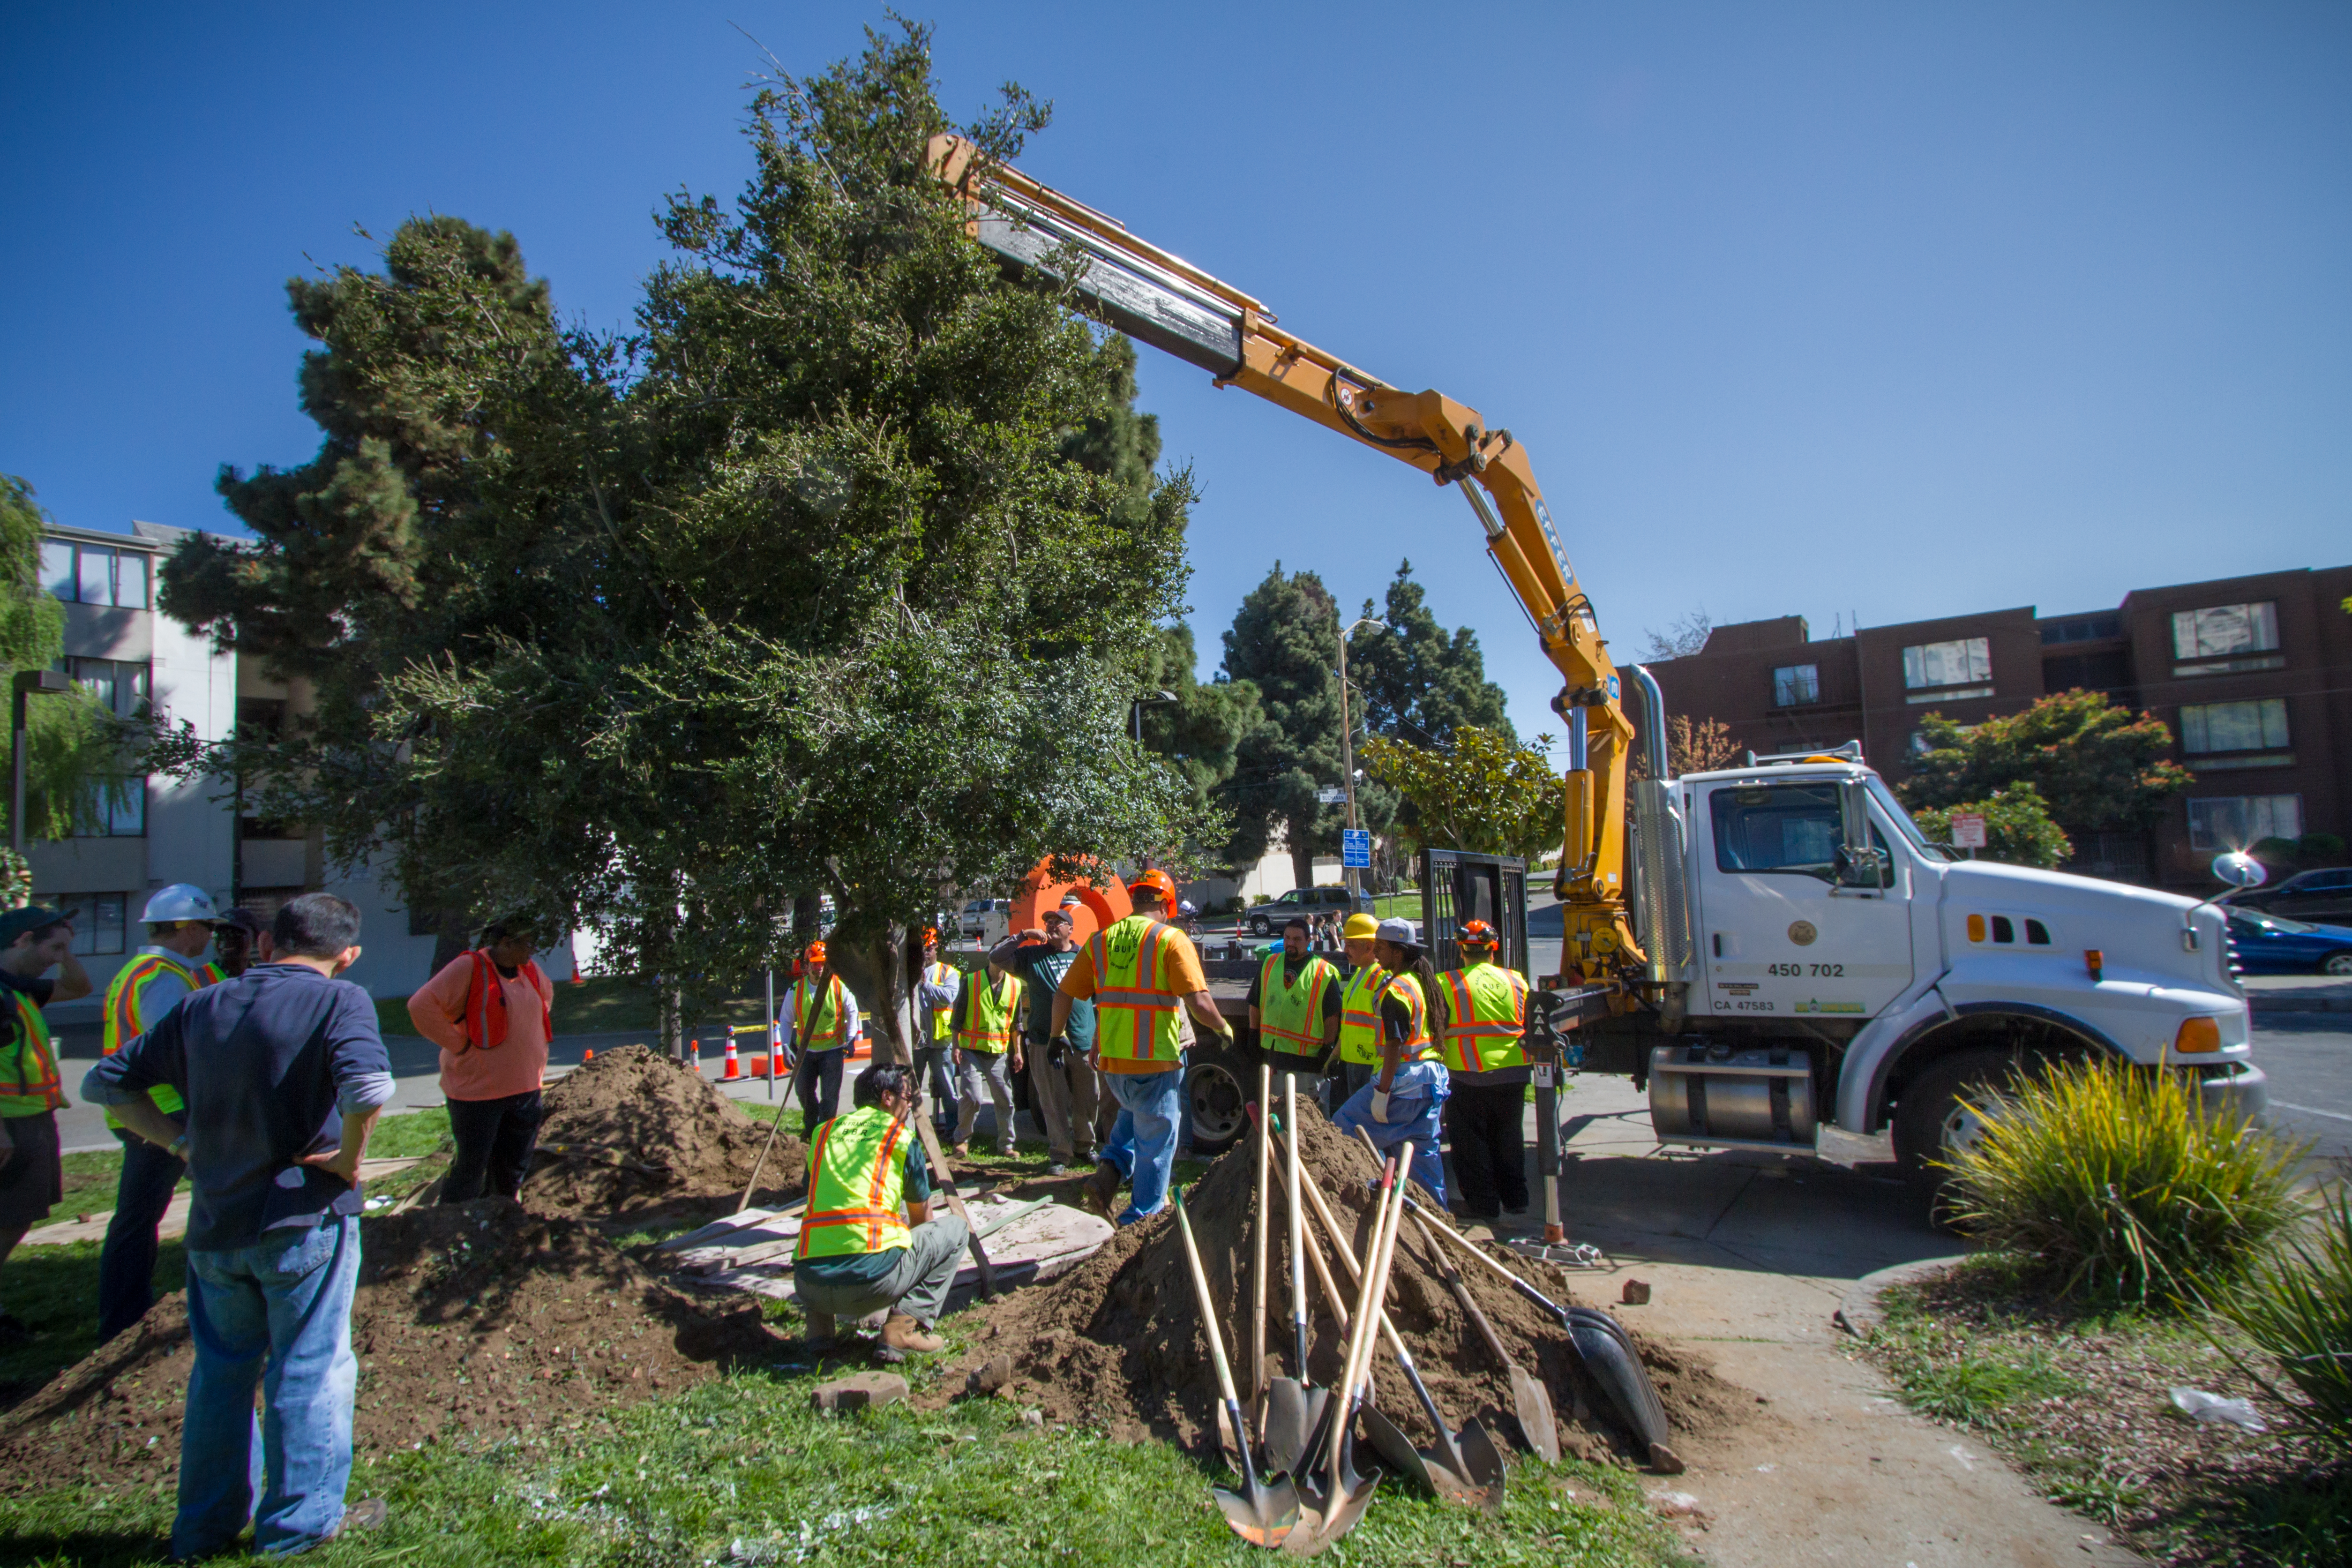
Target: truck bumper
[{"x": 2238, "y": 1089}]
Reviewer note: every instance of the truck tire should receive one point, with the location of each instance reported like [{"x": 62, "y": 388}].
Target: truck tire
[
  {"x": 1216, "y": 1082},
  {"x": 1932, "y": 1121}
]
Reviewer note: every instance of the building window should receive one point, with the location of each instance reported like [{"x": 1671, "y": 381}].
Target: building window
[
  {"x": 1961, "y": 662},
  {"x": 2234, "y": 726},
  {"x": 114, "y": 808},
  {"x": 122, "y": 684},
  {"x": 2083, "y": 629},
  {"x": 96, "y": 921},
  {"x": 2242, "y": 821},
  {"x": 2222, "y": 630},
  {"x": 1793, "y": 685},
  {"x": 94, "y": 573}
]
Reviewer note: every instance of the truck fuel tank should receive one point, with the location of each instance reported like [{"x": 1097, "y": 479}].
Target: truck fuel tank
[{"x": 1758, "y": 1097}]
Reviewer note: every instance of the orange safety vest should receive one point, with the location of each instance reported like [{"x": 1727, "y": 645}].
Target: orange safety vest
[
  {"x": 810, "y": 1010},
  {"x": 857, "y": 1172},
  {"x": 1418, "y": 1046},
  {"x": 1487, "y": 1018},
  {"x": 1134, "y": 1002},
  {"x": 29, "y": 1084},
  {"x": 124, "y": 1018},
  {"x": 486, "y": 1003}
]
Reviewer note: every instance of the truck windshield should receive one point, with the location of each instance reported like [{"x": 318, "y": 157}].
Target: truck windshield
[{"x": 1903, "y": 822}]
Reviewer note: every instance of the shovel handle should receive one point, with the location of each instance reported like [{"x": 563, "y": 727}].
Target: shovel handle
[
  {"x": 1447, "y": 1233},
  {"x": 945, "y": 1179},
  {"x": 1209, "y": 1320},
  {"x": 1461, "y": 1287}
]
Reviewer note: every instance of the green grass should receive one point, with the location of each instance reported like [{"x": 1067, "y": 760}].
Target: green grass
[
  {"x": 411, "y": 1135},
  {"x": 741, "y": 1471},
  {"x": 1387, "y": 906},
  {"x": 2297, "y": 1306},
  {"x": 54, "y": 1291}
]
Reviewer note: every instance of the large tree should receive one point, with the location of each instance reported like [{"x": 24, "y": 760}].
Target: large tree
[
  {"x": 839, "y": 573},
  {"x": 1200, "y": 732},
  {"x": 1416, "y": 681},
  {"x": 1483, "y": 793},
  {"x": 1285, "y": 642},
  {"x": 2094, "y": 765}
]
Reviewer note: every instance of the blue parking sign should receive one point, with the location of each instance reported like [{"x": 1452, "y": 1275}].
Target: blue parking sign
[{"x": 1356, "y": 848}]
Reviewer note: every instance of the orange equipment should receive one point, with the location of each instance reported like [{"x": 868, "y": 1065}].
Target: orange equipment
[
  {"x": 1040, "y": 891},
  {"x": 1164, "y": 300}
]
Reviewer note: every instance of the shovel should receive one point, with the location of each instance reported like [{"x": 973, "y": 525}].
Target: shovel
[
  {"x": 1293, "y": 1410},
  {"x": 1258, "y": 1241},
  {"x": 1531, "y": 1402},
  {"x": 1263, "y": 1513},
  {"x": 1466, "y": 1467},
  {"x": 1346, "y": 1494}
]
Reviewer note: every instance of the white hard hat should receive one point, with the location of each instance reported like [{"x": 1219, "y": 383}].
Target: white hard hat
[{"x": 180, "y": 901}]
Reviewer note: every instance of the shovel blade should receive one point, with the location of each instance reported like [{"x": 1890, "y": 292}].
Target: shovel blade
[
  {"x": 1482, "y": 1464},
  {"x": 1265, "y": 1516},
  {"x": 1340, "y": 1516},
  {"x": 1531, "y": 1403},
  {"x": 1293, "y": 1411},
  {"x": 1397, "y": 1448}
]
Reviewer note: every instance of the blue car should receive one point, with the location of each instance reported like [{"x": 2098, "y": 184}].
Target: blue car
[{"x": 2272, "y": 944}]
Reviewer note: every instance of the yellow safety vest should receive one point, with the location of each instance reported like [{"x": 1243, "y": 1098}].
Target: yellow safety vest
[
  {"x": 1418, "y": 1046},
  {"x": 857, "y": 1171},
  {"x": 937, "y": 974},
  {"x": 820, "y": 1022},
  {"x": 988, "y": 1014},
  {"x": 28, "y": 1064},
  {"x": 1359, "y": 1015},
  {"x": 1291, "y": 1016},
  {"x": 124, "y": 1018},
  {"x": 1134, "y": 1001},
  {"x": 1486, "y": 1008}
]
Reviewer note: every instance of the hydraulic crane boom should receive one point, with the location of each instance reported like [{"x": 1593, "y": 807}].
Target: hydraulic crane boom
[{"x": 1170, "y": 304}]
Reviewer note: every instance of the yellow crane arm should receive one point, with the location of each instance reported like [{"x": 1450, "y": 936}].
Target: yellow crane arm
[{"x": 1162, "y": 300}]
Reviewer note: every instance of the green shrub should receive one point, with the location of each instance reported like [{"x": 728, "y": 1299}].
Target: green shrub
[
  {"x": 2297, "y": 1306},
  {"x": 2117, "y": 1186}
]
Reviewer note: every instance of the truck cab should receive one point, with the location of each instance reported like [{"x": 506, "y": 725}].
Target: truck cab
[{"x": 1837, "y": 965}]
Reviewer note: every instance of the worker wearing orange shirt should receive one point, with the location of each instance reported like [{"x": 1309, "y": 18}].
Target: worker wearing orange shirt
[{"x": 492, "y": 1011}]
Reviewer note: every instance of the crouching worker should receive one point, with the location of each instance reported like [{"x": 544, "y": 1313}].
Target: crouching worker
[{"x": 856, "y": 1254}]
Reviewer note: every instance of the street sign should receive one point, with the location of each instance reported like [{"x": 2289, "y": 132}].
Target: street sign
[
  {"x": 1967, "y": 831},
  {"x": 1356, "y": 848},
  {"x": 1330, "y": 795}
]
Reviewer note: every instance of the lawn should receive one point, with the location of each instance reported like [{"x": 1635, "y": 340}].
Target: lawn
[{"x": 2081, "y": 1402}]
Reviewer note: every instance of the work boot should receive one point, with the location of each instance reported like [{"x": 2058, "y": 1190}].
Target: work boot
[
  {"x": 905, "y": 1335},
  {"x": 961, "y": 1151},
  {"x": 820, "y": 1329},
  {"x": 1100, "y": 1190}
]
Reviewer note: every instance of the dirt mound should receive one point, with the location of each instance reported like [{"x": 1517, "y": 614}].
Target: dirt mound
[
  {"x": 630, "y": 1129},
  {"x": 1119, "y": 1342},
  {"x": 470, "y": 1322}
]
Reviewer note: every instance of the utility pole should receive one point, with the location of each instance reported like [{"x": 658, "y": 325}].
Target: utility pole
[{"x": 1347, "y": 751}]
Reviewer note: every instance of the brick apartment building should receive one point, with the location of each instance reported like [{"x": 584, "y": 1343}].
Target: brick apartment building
[{"x": 2252, "y": 675}]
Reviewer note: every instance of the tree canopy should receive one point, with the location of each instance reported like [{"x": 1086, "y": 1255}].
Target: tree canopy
[
  {"x": 1416, "y": 682},
  {"x": 1484, "y": 792},
  {"x": 838, "y": 573},
  {"x": 2018, "y": 828},
  {"x": 2093, "y": 764}
]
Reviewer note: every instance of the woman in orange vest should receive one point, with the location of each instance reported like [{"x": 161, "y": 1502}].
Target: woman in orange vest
[{"x": 492, "y": 1011}]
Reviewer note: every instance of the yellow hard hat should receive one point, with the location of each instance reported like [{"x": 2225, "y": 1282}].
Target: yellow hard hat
[{"x": 1361, "y": 927}]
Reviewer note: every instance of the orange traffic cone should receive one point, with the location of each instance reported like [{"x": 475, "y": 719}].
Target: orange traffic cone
[{"x": 732, "y": 1071}]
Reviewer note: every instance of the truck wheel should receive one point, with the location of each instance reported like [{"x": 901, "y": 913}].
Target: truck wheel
[
  {"x": 1212, "y": 1087},
  {"x": 1934, "y": 1121}
]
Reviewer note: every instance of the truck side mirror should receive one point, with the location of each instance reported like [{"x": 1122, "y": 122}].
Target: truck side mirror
[
  {"x": 1861, "y": 863},
  {"x": 2240, "y": 870}
]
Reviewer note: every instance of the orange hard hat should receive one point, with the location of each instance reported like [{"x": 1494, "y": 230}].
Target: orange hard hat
[
  {"x": 816, "y": 953},
  {"x": 930, "y": 936},
  {"x": 1477, "y": 934},
  {"x": 1155, "y": 883}
]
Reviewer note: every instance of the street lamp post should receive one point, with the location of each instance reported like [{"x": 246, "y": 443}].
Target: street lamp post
[
  {"x": 49, "y": 683},
  {"x": 1347, "y": 751},
  {"x": 1136, "y": 709}
]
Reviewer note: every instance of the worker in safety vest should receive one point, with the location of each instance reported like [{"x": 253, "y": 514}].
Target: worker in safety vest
[
  {"x": 1359, "y": 1008},
  {"x": 987, "y": 1031},
  {"x": 1484, "y": 1009},
  {"x": 936, "y": 990},
  {"x": 179, "y": 920},
  {"x": 822, "y": 1017},
  {"x": 1065, "y": 1091},
  {"x": 856, "y": 1254},
  {"x": 1137, "y": 974},
  {"x": 1405, "y": 1104},
  {"x": 492, "y": 1013},
  {"x": 33, "y": 940},
  {"x": 232, "y": 939},
  {"x": 1294, "y": 1005}
]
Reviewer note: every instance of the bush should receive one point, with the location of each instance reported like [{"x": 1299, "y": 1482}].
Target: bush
[
  {"x": 2297, "y": 1306},
  {"x": 2118, "y": 1186}
]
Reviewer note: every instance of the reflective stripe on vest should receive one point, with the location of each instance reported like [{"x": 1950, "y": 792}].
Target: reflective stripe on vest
[
  {"x": 1135, "y": 1006},
  {"x": 1359, "y": 1015},
  {"x": 937, "y": 974},
  {"x": 809, "y": 1011},
  {"x": 988, "y": 1014},
  {"x": 1486, "y": 1008},
  {"x": 1292, "y": 1014},
  {"x": 28, "y": 1065},
  {"x": 124, "y": 1018},
  {"x": 857, "y": 1172},
  {"x": 486, "y": 1003},
  {"x": 1418, "y": 1046},
  {"x": 210, "y": 974}
]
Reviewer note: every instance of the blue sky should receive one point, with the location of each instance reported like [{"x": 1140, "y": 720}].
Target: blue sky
[{"x": 1831, "y": 309}]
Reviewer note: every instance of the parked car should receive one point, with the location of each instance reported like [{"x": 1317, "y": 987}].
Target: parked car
[
  {"x": 974, "y": 921},
  {"x": 1267, "y": 919},
  {"x": 2272, "y": 944},
  {"x": 2324, "y": 896}
]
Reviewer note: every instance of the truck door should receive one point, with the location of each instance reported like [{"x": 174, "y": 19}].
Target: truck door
[{"x": 1778, "y": 934}]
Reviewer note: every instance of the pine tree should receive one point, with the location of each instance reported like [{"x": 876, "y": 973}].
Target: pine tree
[{"x": 1416, "y": 683}]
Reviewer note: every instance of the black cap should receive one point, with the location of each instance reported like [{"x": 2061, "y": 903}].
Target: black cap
[{"x": 15, "y": 924}]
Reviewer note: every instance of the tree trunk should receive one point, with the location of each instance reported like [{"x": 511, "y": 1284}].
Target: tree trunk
[
  {"x": 450, "y": 941},
  {"x": 670, "y": 1008},
  {"x": 1302, "y": 858}
]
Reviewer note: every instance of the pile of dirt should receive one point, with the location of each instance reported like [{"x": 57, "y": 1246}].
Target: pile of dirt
[
  {"x": 630, "y": 1131},
  {"x": 471, "y": 1324},
  {"x": 1119, "y": 1342}
]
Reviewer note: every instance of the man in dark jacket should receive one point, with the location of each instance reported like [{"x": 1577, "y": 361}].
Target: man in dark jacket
[{"x": 284, "y": 1074}]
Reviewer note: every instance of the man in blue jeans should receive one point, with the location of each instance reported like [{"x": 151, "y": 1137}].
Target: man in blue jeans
[{"x": 283, "y": 1074}]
